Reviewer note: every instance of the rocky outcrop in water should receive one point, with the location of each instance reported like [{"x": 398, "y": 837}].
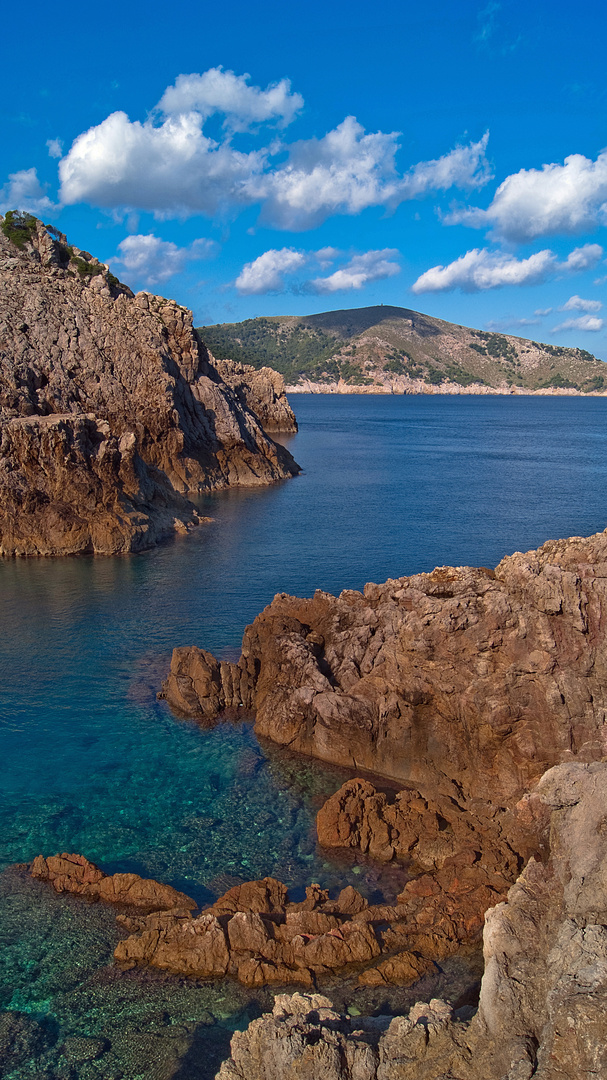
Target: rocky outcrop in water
[
  {"x": 260, "y": 390},
  {"x": 110, "y": 408},
  {"x": 257, "y": 935},
  {"x": 543, "y": 1001},
  {"x": 468, "y": 681},
  {"x": 75, "y": 874}
]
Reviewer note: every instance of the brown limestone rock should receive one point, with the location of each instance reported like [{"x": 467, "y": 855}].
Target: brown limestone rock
[
  {"x": 464, "y": 681},
  {"x": 110, "y": 410},
  {"x": 262, "y": 390},
  {"x": 75, "y": 874}
]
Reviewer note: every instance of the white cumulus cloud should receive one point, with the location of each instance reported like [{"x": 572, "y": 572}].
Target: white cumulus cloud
[
  {"x": 152, "y": 259},
  {"x": 172, "y": 170},
  {"x": 584, "y": 322},
  {"x": 566, "y": 198},
  {"x": 361, "y": 269},
  {"x": 464, "y": 167},
  {"x": 583, "y": 258},
  {"x": 266, "y": 273},
  {"x": 482, "y": 269},
  {"x": 577, "y": 303},
  {"x": 166, "y": 164},
  {"x": 23, "y": 191},
  {"x": 349, "y": 170},
  {"x": 219, "y": 91}
]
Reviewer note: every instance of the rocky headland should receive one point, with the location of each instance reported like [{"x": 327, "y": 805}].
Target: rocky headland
[
  {"x": 468, "y": 682},
  {"x": 262, "y": 390},
  {"x": 111, "y": 408},
  {"x": 483, "y": 692}
]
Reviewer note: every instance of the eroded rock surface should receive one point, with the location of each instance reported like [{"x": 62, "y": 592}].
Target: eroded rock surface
[
  {"x": 75, "y": 874},
  {"x": 262, "y": 390},
  {"x": 465, "y": 680},
  {"x": 110, "y": 409},
  {"x": 543, "y": 1003}
]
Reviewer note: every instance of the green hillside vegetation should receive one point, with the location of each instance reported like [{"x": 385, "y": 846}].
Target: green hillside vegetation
[{"x": 390, "y": 345}]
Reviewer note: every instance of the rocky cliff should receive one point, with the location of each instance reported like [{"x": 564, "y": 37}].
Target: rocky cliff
[
  {"x": 543, "y": 1001},
  {"x": 262, "y": 391},
  {"x": 110, "y": 407},
  {"x": 470, "y": 681}
]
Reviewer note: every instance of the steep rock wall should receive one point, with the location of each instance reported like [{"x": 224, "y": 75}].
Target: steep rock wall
[{"x": 75, "y": 343}]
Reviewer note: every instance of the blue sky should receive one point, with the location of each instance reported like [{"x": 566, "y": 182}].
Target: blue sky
[{"x": 279, "y": 159}]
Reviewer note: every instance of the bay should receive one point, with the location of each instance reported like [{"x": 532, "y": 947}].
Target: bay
[{"x": 91, "y": 762}]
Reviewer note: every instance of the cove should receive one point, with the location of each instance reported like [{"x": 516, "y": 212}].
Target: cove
[{"x": 91, "y": 762}]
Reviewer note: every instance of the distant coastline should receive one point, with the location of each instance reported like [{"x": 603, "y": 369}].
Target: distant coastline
[{"x": 417, "y": 386}]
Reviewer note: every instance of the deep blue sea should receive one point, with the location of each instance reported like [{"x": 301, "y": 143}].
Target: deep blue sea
[{"x": 91, "y": 762}]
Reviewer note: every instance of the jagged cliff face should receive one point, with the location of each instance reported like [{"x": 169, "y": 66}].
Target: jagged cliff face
[
  {"x": 464, "y": 680},
  {"x": 75, "y": 343},
  {"x": 261, "y": 390}
]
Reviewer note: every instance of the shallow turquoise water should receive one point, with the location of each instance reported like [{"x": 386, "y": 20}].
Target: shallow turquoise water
[{"x": 91, "y": 762}]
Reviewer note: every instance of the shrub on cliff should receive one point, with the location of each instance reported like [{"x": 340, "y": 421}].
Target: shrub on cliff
[{"x": 19, "y": 227}]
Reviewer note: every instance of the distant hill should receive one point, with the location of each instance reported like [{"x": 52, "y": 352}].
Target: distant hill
[{"x": 391, "y": 348}]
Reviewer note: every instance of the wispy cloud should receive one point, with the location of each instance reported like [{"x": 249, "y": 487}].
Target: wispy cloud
[
  {"x": 54, "y": 147},
  {"x": 511, "y": 324},
  {"x": 576, "y": 303},
  {"x": 23, "y": 191},
  {"x": 219, "y": 91},
  {"x": 360, "y": 271},
  {"x": 151, "y": 259},
  {"x": 584, "y": 322},
  {"x": 269, "y": 272}
]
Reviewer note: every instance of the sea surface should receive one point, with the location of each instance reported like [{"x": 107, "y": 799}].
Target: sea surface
[{"x": 91, "y": 762}]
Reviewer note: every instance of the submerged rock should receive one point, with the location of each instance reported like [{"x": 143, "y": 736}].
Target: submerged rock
[
  {"x": 543, "y": 1001},
  {"x": 465, "y": 681},
  {"x": 111, "y": 409}
]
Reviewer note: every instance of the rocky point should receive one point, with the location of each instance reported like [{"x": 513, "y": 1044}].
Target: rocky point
[
  {"x": 469, "y": 682},
  {"x": 111, "y": 408}
]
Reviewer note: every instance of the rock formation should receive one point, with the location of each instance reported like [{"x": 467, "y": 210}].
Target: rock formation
[
  {"x": 543, "y": 1001},
  {"x": 431, "y": 832},
  {"x": 110, "y": 407},
  {"x": 256, "y": 934},
  {"x": 75, "y": 874},
  {"x": 466, "y": 681},
  {"x": 262, "y": 390}
]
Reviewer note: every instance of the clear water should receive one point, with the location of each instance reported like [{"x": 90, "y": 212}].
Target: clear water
[{"x": 91, "y": 762}]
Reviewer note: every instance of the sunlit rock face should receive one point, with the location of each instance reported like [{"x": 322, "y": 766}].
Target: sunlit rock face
[
  {"x": 141, "y": 415},
  {"x": 468, "y": 681}
]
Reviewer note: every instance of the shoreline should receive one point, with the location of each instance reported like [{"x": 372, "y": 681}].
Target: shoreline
[{"x": 444, "y": 390}]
